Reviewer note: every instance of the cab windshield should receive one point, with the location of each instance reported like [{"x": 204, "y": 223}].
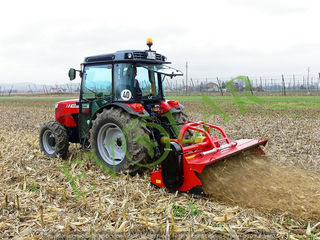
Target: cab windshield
[{"x": 136, "y": 81}]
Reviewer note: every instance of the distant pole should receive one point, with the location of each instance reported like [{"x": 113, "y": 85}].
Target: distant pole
[
  {"x": 10, "y": 91},
  {"x": 308, "y": 78},
  {"x": 220, "y": 86},
  {"x": 198, "y": 85},
  {"x": 183, "y": 87},
  {"x": 318, "y": 82},
  {"x": 191, "y": 86},
  {"x": 30, "y": 88},
  {"x": 176, "y": 85},
  {"x": 250, "y": 86},
  {"x": 186, "y": 77},
  {"x": 192, "y": 82},
  {"x": 283, "y": 86}
]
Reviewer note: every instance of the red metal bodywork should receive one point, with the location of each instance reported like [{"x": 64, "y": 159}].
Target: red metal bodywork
[
  {"x": 64, "y": 112},
  {"x": 210, "y": 150},
  {"x": 137, "y": 107},
  {"x": 165, "y": 106},
  {"x": 65, "y": 109}
]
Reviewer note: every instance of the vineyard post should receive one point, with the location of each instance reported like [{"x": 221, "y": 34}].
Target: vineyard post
[
  {"x": 283, "y": 86},
  {"x": 220, "y": 86}
]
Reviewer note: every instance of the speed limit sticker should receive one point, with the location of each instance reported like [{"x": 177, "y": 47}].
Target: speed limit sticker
[{"x": 126, "y": 94}]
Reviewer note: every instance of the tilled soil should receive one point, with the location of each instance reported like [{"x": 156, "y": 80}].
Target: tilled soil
[{"x": 37, "y": 199}]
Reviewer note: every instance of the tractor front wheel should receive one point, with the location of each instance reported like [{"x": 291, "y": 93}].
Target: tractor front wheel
[{"x": 54, "y": 140}]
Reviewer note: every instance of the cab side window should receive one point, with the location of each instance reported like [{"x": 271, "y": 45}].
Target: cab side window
[{"x": 97, "y": 81}]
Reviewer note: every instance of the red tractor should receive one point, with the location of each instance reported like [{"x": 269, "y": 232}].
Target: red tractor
[{"x": 123, "y": 115}]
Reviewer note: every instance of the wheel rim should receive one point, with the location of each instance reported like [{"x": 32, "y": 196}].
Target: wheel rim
[
  {"x": 49, "y": 142},
  {"x": 111, "y": 144}
]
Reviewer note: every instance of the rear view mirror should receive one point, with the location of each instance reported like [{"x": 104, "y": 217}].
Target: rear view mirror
[{"x": 72, "y": 74}]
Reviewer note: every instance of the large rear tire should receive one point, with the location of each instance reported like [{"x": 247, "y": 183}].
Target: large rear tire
[
  {"x": 117, "y": 149},
  {"x": 180, "y": 118},
  {"x": 54, "y": 140}
]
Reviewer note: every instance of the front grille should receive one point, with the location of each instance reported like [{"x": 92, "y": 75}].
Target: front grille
[
  {"x": 139, "y": 55},
  {"x": 158, "y": 57},
  {"x": 143, "y": 55}
]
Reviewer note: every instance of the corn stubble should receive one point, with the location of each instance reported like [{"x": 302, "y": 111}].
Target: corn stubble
[{"x": 36, "y": 199}]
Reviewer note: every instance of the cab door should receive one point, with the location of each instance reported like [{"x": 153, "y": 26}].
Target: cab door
[{"x": 96, "y": 92}]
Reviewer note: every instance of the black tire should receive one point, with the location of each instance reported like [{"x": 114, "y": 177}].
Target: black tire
[
  {"x": 54, "y": 140},
  {"x": 107, "y": 136},
  {"x": 180, "y": 118}
]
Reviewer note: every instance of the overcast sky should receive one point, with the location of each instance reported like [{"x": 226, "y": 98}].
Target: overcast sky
[{"x": 41, "y": 40}]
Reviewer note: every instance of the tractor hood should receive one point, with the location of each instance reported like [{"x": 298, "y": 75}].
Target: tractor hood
[
  {"x": 72, "y": 103},
  {"x": 66, "y": 111}
]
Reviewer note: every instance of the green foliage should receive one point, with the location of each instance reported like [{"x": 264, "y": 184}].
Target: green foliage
[
  {"x": 260, "y": 99},
  {"x": 194, "y": 210},
  {"x": 72, "y": 180},
  {"x": 215, "y": 107},
  {"x": 294, "y": 105},
  {"x": 178, "y": 211},
  {"x": 312, "y": 237},
  {"x": 33, "y": 187},
  {"x": 289, "y": 220},
  {"x": 147, "y": 143},
  {"x": 91, "y": 155}
]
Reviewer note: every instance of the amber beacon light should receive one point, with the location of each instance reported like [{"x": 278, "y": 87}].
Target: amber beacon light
[{"x": 149, "y": 43}]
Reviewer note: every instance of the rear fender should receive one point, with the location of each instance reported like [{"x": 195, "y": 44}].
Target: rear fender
[
  {"x": 170, "y": 105},
  {"x": 129, "y": 108}
]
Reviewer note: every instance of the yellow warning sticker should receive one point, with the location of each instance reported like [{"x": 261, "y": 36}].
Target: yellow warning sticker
[
  {"x": 158, "y": 181},
  {"x": 191, "y": 156}
]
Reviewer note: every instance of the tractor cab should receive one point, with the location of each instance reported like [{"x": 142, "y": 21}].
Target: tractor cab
[
  {"x": 128, "y": 76},
  {"x": 130, "y": 79},
  {"x": 124, "y": 82}
]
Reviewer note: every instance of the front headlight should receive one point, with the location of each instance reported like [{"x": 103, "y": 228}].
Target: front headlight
[{"x": 56, "y": 106}]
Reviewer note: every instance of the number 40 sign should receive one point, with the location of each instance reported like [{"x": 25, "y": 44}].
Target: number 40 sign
[{"x": 126, "y": 94}]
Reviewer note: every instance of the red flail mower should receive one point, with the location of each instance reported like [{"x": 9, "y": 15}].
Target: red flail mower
[{"x": 187, "y": 158}]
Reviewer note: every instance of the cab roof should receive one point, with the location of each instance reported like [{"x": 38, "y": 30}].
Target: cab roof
[{"x": 130, "y": 56}]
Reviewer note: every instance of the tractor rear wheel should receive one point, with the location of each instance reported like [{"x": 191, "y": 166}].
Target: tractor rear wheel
[
  {"x": 114, "y": 146},
  {"x": 180, "y": 118},
  {"x": 54, "y": 140}
]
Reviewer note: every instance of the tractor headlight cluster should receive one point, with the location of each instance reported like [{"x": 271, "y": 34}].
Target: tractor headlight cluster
[{"x": 129, "y": 55}]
